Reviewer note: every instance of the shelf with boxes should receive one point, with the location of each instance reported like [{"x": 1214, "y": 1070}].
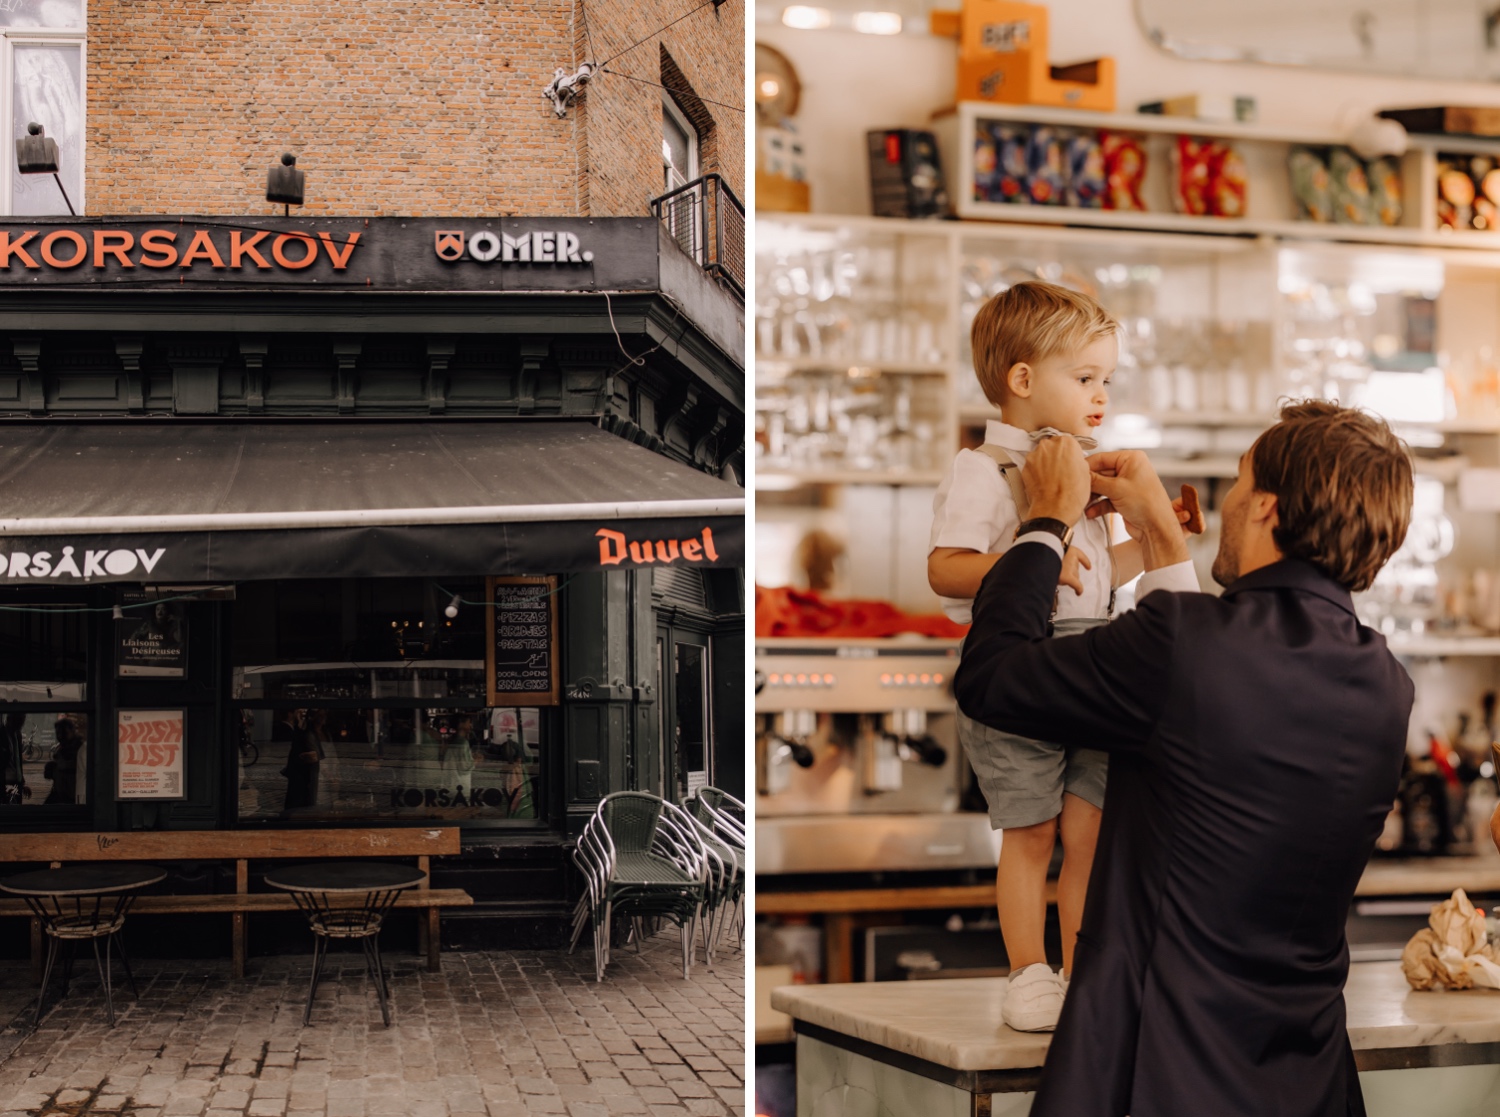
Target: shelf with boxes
[{"x": 1140, "y": 171}]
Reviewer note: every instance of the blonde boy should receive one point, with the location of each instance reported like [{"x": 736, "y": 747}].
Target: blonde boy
[{"x": 1044, "y": 355}]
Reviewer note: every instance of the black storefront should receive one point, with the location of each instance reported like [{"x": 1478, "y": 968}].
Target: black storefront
[{"x": 330, "y": 522}]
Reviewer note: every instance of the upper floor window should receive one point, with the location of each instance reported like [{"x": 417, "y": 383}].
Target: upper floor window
[
  {"x": 679, "y": 147},
  {"x": 43, "y": 71}
]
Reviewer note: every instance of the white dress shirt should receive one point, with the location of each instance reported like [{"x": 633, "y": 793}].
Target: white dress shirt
[{"x": 974, "y": 510}]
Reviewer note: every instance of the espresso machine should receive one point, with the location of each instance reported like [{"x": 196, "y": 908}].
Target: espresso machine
[{"x": 858, "y": 766}]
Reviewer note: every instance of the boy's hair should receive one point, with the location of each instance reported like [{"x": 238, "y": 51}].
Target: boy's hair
[
  {"x": 1029, "y": 322},
  {"x": 1343, "y": 487}
]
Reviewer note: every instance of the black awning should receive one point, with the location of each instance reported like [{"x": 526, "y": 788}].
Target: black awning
[{"x": 155, "y": 502}]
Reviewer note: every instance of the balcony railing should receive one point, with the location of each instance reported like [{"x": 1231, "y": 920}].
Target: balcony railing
[{"x": 708, "y": 221}]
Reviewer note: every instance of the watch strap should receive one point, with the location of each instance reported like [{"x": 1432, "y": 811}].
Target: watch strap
[{"x": 1064, "y": 532}]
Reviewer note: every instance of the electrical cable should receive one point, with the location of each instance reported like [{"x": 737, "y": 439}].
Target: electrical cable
[
  {"x": 632, "y": 362},
  {"x": 588, "y": 31},
  {"x": 659, "y": 30},
  {"x": 644, "y": 81},
  {"x": 96, "y": 609},
  {"x": 669, "y": 89}
]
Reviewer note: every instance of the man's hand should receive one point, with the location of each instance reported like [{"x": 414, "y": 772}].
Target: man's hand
[
  {"x": 1130, "y": 487},
  {"x": 1056, "y": 477}
]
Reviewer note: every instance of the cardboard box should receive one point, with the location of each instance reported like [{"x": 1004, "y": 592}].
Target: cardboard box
[
  {"x": 1003, "y": 57},
  {"x": 1455, "y": 120}
]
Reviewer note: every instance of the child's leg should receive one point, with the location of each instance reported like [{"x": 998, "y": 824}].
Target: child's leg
[
  {"x": 1079, "y": 826},
  {"x": 1020, "y": 889}
]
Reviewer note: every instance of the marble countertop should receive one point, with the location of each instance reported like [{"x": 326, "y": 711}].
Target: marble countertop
[
  {"x": 956, "y": 1023},
  {"x": 1430, "y": 875}
]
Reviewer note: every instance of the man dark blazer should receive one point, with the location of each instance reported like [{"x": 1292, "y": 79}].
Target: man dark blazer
[{"x": 1255, "y": 745}]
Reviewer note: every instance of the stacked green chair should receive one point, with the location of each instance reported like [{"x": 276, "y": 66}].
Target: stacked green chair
[
  {"x": 723, "y": 834},
  {"x": 641, "y": 858}
]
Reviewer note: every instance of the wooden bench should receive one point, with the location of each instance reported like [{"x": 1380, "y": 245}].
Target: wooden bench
[{"x": 242, "y": 847}]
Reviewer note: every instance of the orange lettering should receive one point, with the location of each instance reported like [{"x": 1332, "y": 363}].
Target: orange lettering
[
  {"x": 7, "y": 246},
  {"x": 340, "y": 259},
  {"x": 667, "y": 551},
  {"x": 636, "y": 551},
  {"x": 202, "y": 248},
  {"x": 611, "y": 547},
  {"x": 113, "y": 242},
  {"x": 69, "y": 235},
  {"x": 239, "y": 247},
  {"x": 158, "y": 240},
  {"x": 708, "y": 545},
  {"x": 692, "y": 550},
  {"x": 279, "y": 244}
]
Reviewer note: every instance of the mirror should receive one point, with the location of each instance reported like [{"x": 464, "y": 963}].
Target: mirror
[{"x": 1448, "y": 39}]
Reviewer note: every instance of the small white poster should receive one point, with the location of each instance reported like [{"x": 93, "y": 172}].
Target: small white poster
[{"x": 150, "y": 754}]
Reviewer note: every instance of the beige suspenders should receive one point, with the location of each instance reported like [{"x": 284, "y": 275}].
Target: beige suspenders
[{"x": 1010, "y": 469}]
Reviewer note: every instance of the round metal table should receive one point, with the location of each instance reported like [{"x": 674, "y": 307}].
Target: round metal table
[
  {"x": 83, "y": 903},
  {"x": 346, "y": 900}
]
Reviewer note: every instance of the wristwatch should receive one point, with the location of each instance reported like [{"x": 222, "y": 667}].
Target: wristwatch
[{"x": 1063, "y": 531}]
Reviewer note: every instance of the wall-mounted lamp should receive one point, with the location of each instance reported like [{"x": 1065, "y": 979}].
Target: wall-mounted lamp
[
  {"x": 452, "y": 610},
  {"x": 285, "y": 183},
  {"x": 36, "y": 154},
  {"x": 564, "y": 87}
]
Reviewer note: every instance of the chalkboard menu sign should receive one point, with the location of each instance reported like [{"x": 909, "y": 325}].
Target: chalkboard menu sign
[{"x": 522, "y": 649}]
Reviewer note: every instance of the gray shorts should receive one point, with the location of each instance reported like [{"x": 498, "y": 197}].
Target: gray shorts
[{"x": 1023, "y": 780}]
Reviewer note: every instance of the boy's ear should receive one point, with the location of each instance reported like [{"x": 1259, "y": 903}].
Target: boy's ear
[{"x": 1018, "y": 378}]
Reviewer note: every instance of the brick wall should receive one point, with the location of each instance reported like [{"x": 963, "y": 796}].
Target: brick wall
[
  {"x": 622, "y": 117},
  {"x": 395, "y": 109}
]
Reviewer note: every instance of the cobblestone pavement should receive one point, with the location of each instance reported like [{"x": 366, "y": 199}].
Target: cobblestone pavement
[{"x": 504, "y": 1033}]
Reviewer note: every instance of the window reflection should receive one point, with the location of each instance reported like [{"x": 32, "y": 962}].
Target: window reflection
[
  {"x": 47, "y": 88},
  {"x": 44, "y": 758},
  {"x": 43, "y": 651},
  {"x": 51, "y": 14},
  {"x": 417, "y": 762}
]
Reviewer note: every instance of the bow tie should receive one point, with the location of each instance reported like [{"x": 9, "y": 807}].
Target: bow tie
[{"x": 1052, "y": 432}]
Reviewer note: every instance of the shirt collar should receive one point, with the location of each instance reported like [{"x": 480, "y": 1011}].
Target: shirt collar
[
  {"x": 1295, "y": 574},
  {"x": 1007, "y": 437}
]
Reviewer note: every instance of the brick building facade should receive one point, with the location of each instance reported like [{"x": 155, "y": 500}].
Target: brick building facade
[
  {"x": 430, "y": 110},
  {"x": 474, "y": 358}
]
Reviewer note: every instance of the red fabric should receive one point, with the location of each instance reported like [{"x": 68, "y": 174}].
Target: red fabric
[{"x": 789, "y": 612}]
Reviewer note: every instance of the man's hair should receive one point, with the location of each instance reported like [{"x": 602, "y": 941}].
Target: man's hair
[
  {"x": 1029, "y": 322},
  {"x": 1343, "y": 487}
]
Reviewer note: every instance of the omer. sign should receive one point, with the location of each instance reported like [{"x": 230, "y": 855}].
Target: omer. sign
[{"x": 485, "y": 247}]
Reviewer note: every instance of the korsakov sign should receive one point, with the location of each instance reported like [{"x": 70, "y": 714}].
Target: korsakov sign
[{"x": 375, "y": 253}]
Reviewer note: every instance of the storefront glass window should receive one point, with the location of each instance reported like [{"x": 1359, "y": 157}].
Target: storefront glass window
[
  {"x": 692, "y": 713},
  {"x": 363, "y": 699},
  {"x": 44, "y": 758},
  {"x": 390, "y": 763},
  {"x": 45, "y": 728},
  {"x": 43, "y": 651}
]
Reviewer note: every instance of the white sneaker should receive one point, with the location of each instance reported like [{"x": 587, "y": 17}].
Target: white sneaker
[{"x": 1033, "y": 999}]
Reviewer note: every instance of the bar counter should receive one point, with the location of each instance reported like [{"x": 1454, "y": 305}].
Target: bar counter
[{"x": 938, "y": 1048}]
